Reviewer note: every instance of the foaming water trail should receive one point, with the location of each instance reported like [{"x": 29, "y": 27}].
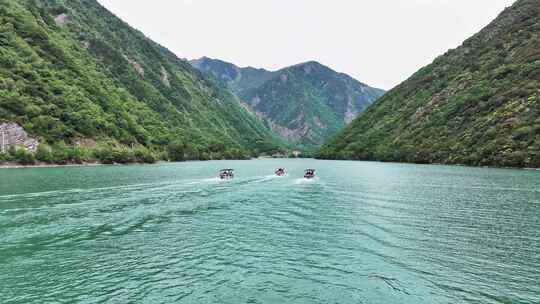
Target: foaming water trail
[{"x": 300, "y": 181}]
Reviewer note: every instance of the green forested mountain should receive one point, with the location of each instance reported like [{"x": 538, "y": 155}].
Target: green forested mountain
[
  {"x": 305, "y": 104},
  {"x": 478, "y": 104},
  {"x": 239, "y": 80},
  {"x": 71, "y": 72}
]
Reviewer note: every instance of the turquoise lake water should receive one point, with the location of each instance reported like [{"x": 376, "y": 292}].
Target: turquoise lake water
[{"x": 363, "y": 232}]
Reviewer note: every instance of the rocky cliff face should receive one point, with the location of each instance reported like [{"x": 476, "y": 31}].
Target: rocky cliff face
[{"x": 11, "y": 134}]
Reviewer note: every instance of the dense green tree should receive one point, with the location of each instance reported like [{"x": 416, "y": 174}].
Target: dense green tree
[
  {"x": 44, "y": 154},
  {"x": 60, "y": 152},
  {"x": 4, "y": 157},
  {"x": 23, "y": 157},
  {"x": 143, "y": 155},
  {"x": 177, "y": 151}
]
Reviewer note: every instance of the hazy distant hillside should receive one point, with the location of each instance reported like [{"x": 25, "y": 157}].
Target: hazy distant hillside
[
  {"x": 237, "y": 79},
  {"x": 478, "y": 104},
  {"x": 305, "y": 104},
  {"x": 71, "y": 71}
]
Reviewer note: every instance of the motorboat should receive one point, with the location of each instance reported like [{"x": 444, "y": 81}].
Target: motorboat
[
  {"x": 226, "y": 174},
  {"x": 280, "y": 172},
  {"x": 309, "y": 173}
]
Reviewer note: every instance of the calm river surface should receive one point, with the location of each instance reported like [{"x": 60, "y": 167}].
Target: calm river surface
[{"x": 362, "y": 233}]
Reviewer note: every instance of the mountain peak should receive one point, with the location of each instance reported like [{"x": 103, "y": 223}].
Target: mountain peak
[
  {"x": 311, "y": 63},
  {"x": 305, "y": 103}
]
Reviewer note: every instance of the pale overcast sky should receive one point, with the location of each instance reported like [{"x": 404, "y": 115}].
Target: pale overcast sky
[{"x": 379, "y": 42}]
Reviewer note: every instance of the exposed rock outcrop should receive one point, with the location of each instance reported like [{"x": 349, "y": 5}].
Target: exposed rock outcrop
[
  {"x": 11, "y": 134},
  {"x": 61, "y": 19},
  {"x": 137, "y": 66},
  {"x": 165, "y": 77}
]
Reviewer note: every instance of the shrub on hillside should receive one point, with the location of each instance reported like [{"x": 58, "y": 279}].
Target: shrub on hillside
[
  {"x": 3, "y": 157},
  {"x": 44, "y": 154},
  {"x": 143, "y": 155},
  {"x": 108, "y": 154},
  {"x": 176, "y": 150},
  {"x": 78, "y": 154},
  {"x": 60, "y": 152},
  {"x": 23, "y": 157}
]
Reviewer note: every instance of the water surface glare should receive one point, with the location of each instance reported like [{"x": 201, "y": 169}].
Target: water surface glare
[{"x": 362, "y": 233}]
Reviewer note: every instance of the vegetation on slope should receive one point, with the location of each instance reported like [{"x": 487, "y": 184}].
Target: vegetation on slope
[
  {"x": 239, "y": 80},
  {"x": 308, "y": 103},
  {"x": 305, "y": 104},
  {"x": 477, "y": 105},
  {"x": 63, "y": 154},
  {"x": 71, "y": 71}
]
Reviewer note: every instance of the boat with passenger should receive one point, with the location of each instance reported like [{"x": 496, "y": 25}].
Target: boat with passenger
[
  {"x": 309, "y": 174},
  {"x": 226, "y": 174},
  {"x": 280, "y": 172}
]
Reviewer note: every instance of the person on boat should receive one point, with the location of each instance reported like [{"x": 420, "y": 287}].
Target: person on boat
[
  {"x": 280, "y": 172},
  {"x": 226, "y": 174},
  {"x": 310, "y": 173}
]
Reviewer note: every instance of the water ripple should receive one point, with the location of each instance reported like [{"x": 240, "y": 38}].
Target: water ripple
[{"x": 361, "y": 233}]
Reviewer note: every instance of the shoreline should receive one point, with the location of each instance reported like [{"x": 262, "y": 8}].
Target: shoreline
[
  {"x": 97, "y": 164},
  {"x": 433, "y": 164},
  {"x": 45, "y": 165},
  {"x": 11, "y": 165}
]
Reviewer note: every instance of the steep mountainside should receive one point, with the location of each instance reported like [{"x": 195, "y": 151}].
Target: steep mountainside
[
  {"x": 237, "y": 79},
  {"x": 478, "y": 104},
  {"x": 70, "y": 71},
  {"x": 305, "y": 104}
]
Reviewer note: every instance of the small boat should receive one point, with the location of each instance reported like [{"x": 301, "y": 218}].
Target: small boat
[
  {"x": 226, "y": 174},
  {"x": 309, "y": 173},
  {"x": 280, "y": 172}
]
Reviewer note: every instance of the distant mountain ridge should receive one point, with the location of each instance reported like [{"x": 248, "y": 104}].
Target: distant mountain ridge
[
  {"x": 237, "y": 79},
  {"x": 305, "y": 103},
  {"x": 478, "y": 104}
]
